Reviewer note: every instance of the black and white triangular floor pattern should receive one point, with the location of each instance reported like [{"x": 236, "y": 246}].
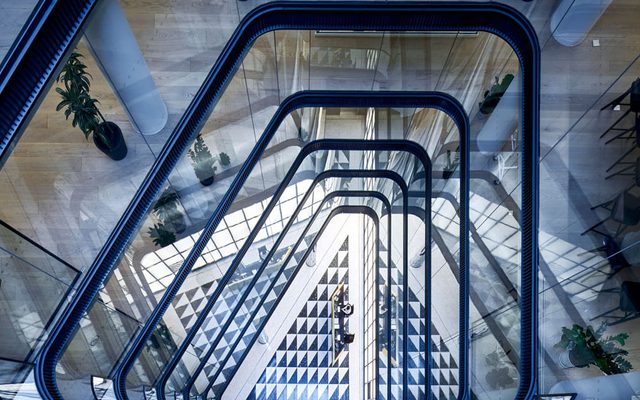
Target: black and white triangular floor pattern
[{"x": 302, "y": 368}]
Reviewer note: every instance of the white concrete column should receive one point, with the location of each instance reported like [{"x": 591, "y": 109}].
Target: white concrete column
[
  {"x": 116, "y": 51},
  {"x": 573, "y": 19}
]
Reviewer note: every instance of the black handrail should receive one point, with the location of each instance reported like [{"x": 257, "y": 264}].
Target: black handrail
[
  {"x": 323, "y": 175},
  {"x": 352, "y": 99},
  {"x": 377, "y": 195},
  {"x": 435, "y": 100},
  {"x": 326, "y": 144},
  {"x": 204, "y": 360},
  {"x": 493, "y": 17}
]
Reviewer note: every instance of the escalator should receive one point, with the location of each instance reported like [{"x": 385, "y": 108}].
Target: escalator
[{"x": 208, "y": 298}]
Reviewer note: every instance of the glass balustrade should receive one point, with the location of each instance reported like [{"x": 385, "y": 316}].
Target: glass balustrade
[
  {"x": 34, "y": 285},
  {"x": 214, "y": 365},
  {"x": 233, "y": 268},
  {"x": 323, "y": 157}
]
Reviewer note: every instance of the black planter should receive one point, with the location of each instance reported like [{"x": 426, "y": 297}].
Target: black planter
[
  {"x": 207, "y": 181},
  {"x": 580, "y": 359},
  {"x": 446, "y": 174},
  {"x": 118, "y": 149}
]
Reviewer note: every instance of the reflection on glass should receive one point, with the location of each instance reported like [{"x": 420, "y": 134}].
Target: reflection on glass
[{"x": 34, "y": 285}]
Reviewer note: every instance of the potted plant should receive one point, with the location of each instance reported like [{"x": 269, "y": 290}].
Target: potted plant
[
  {"x": 166, "y": 210},
  {"x": 76, "y": 100},
  {"x": 492, "y": 96},
  {"x": 224, "y": 159},
  {"x": 498, "y": 376},
  {"x": 161, "y": 236},
  {"x": 202, "y": 162},
  {"x": 450, "y": 166},
  {"x": 585, "y": 347}
]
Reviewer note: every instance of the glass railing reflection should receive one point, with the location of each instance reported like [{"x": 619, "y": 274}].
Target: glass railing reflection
[
  {"x": 34, "y": 284},
  {"x": 324, "y": 159}
]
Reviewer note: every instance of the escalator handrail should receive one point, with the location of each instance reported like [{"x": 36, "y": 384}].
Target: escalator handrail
[
  {"x": 352, "y": 99},
  {"x": 330, "y": 196},
  {"x": 496, "y": 18},
  {"x": 324, "y": 144},
  {"x": 203, "y": 314},
  {"x": 349, "y": 209},
  {"x": 437, "y": 100}
]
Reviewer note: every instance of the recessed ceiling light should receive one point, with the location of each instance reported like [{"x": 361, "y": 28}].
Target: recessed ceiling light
[{"x": 596, "y": 42}]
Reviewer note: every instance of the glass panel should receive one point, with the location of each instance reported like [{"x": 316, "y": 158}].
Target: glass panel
[
  {"x": 296, "y": 61},
  {"x": 321, "y": 159},
  {"x": 15, "y": 15},
  {"x": 220, "y": 368},
  {"x": 588, "y": 163},
  {"x": 34, "y": 284}
]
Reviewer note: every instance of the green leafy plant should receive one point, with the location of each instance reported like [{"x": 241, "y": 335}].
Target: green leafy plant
[
  {"x": 494, "y": 94},
  {"x": 167, "y": 205},
  {"x": 166, "y": 210},
  {"x": 498, "y": 376},
  {"x": 224, "y": 159},
  {"x": 202, "y": 161},
  {"x": 589, "y": 346},
  {"x": 77, "y": 101},
  {"x": 161, "y": 236}
]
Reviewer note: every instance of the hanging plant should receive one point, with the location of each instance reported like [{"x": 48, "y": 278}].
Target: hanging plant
[{"x": 77, "y": 102}]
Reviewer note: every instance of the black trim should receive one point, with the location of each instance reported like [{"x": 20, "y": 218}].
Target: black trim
[
  {"x": 325, "y": 144},
  {"x": 352, "y": 99},
  {"x": 497, "y": 18},
  {"x": 327, "y": 174},
  {"x": 331, "y": 195}
]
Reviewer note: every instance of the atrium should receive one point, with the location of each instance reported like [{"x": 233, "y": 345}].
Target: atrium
[{"x": 253, "y": 199}]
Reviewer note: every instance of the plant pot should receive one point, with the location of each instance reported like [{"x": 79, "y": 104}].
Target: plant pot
[
  {"x": 569, "y": 359},
  {"x": 208, "y": 181},
  {"x": 446, "y": 174},
  {"x": 118, "y": 150}
]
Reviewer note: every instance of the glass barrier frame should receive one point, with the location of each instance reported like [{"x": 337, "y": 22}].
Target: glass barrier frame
[
  {"x": 330, "y": 196},
  {"x": 351, "y": 99},
  {"x": 326, "y": 174},
  {"x": 324, "y": 144},
  {"x": 498, "y": 19}
]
